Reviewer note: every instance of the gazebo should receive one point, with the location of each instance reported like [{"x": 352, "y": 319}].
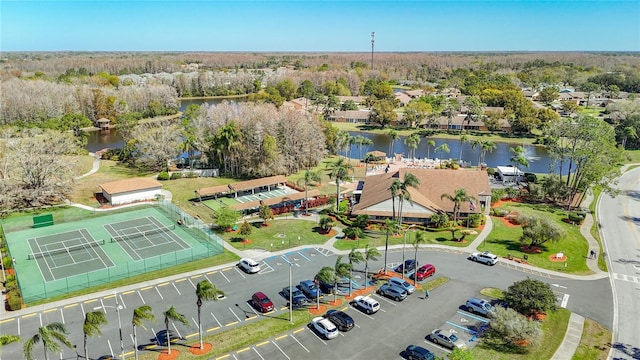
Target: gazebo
[{"x": 375, "y": 156}]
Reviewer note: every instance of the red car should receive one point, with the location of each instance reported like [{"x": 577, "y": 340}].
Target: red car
[
  {"x": 262, "y": 302},
  {"x": 424, "y": 272}
]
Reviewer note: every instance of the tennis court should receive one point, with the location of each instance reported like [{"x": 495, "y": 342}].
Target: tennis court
[
  {"x": 145, "y": 237},
  {"x": 67, "y": 254},
  {"x": 94, "y": 248}
]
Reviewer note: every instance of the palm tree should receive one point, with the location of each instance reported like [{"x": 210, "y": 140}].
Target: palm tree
[
  {"x": 463, "y": 139},
  {"x": 325, "y": 275},
  {"x": 430, "y": 143},
  {"x": 412, "y": 142},
  {"x": 341, "y": 270},
  {"x": 8, "y": 339},
  {"x": 326, "y": 223},
  {"x": 370, "y": 254},
  {"x": 311, "y": 177},
  {"x": 421, "y": 238},
  {"x": 343, "y": 142},
  {"x": 355, "y": 257},
  {"x": 172, "y": 314},
  {"x": 394, "y": 188},
  {"x": 51, "y": 335},
  {"x": 339, "y": 170},
  {"x": 442, "y": 147},
  {"x": 140, "y": 315},
  {"x": 458, "y": 197},
  {"x": 393, "y": 136},
  {"x": 92, "y": 322},
  {"x": 206, "y": 291},
  {"x": 390, "y": 225},
  {"x": 487, "y": 146},
  {"x": 518, "y": 158},
  {"x": 410, "y": 180}
]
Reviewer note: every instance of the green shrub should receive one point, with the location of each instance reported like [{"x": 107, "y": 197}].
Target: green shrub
[
  {"x": 14, "y": 300},
  {"x": 163, "y": 176},
  {"x": 176, "y": 175},
  {"x": 491, "y": 171},
  {"x": 7, "y": 262},
  {"x": 577, "y": 217},
  {"x": 475, "y": 220},
  {"x": 191, "y": 175},
  {"x": 499, "y": 212}
]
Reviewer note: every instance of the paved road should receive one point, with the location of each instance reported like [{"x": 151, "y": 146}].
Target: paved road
[
  {"x": 620, "y": 229},
  {"x": 392, "y": 329}
]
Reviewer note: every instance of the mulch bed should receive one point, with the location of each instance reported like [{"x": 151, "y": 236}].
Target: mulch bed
[
  {"x": 164, "y": 355},
  {"x": 330, "y": 233},
  {"x": 554, "y": 258},
  {"x": 195, "y": 349},
  {"x": 315, "y": 311},
  {"x": 532, "y": 250},
  {"x": 246, "y": 241}
]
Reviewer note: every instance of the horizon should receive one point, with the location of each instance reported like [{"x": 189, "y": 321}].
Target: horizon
[{"x": 422, "y": 26}]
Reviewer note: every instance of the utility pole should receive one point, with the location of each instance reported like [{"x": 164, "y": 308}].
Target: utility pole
[{"x": 373, "y": 41}]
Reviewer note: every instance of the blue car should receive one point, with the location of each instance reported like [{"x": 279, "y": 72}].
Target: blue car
[
  {"x": 309, "y": 288},
  {"x": 297, "y": 296}
]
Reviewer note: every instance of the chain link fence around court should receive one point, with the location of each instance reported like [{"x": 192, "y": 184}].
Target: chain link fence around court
[{"x": 211, "y": 245}]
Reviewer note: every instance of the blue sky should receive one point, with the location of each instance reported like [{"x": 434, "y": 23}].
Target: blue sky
[{"x": 418, "y": 25}]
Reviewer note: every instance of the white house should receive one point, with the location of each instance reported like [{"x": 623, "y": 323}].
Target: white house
[
  {"x": 509, "y": 173},
  {"x": 130, "y": 190}
]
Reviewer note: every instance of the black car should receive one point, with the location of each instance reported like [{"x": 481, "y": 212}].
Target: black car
[
  {"x": 414, "y": 352},
  {"x": 297, "y": 296},
  {"x": 340, "y": 319},
  {"x": 409, "y": 265}
]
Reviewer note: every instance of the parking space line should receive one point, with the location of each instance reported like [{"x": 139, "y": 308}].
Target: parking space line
[
  {"x": 192, "y": 284},
  {"x": 262, "y": 343},
  {"x": 226, "y": 278},
  {"x": 437, "y": 346},
  {"x": 281, "y": 337},
  {"x": 194, "y": 322},
  {"x": 227, "y": 269},
  {"x": 283, "y": 353},
  {"x": 159, "y": 293},
  {"x": 299, "y": 343},
  {"x": 301, "y": 254},
  {"x": 212, "y": 272},
  {"x": 196, "y": 276},
  {"x": 82, "y": 307},
  {"x": 251, "y": 318},
  {"x": 128, "y": 292},
  {"x": 191, "y": 335},
  {"x": 62, "y": 315},
  {"x": 385, "y": 299},
  {"x": 124, "y": 306},
  {"x": 179, "y": 280},
  {"x": 145, "y": 288},
  {"x": 464, "y": 313},
  {"x": 254, "y": 349},
  {"x": 175, "y": 287},
  {"x": 28, "y": 315},
  {"x": 49, "y": 310},
  {"x": 240, "y": 272},
  {"x": 141, "y": 298},
  {"x": 163, "y": 284},
  {"x": 565, "y": 300},
  {"x": 285, "y": 259},
  {"x": 297, "y": 331},
  {"x": 231, "y": 323},
  {"x": 242, "y": 350},
  {"x": 224, "y": 357},
  {"x": 316, "y": 336},
  {"x": 234, "y": 314},
  {"x": 6, "y": 320},
  {"x": 263, "y": 271},
  {"x": 90, "y": 301},
  {"x": 70, "y": 305},
  {"x": 216, "y": 319},
  {"x": 213, "y": 329},
  {"x": 109, "y": 296}
]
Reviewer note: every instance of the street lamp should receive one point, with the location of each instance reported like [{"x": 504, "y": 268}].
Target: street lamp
[
  {"x": 290, "y": 294},
  {"x": 403, "y": 246},
  {"x": 118, "y": 307}
]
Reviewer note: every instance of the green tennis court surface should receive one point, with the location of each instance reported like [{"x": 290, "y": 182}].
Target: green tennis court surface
[{"x": 102, "y": 247}]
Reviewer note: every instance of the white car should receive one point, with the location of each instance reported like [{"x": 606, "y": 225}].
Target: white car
[
  {"x": 486, "y": 258},
  {"x": 249, "y": 265},
  {"x": 366, "y": 304},
  {"x": 325, "y": 327}
]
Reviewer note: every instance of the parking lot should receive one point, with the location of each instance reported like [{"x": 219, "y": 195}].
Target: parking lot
[{"x": 381, "y": 335}]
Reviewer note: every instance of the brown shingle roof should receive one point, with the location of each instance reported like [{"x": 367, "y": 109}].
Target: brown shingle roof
[
  {"x": 433, "y": 183},
  {"x": 243, "y": 185},
  {"x": 122, "y": 186}
]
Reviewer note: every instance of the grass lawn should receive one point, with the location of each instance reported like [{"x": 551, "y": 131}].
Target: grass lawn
[
  {"x": 504, "y": 240},
  {"x": 375, "y": 238},
  {"x": 632, "y": 156},
  {"x": 554, "y": 328},
  {"x": 602, "y": 264},
  {"x": 595, "y": 342},
  {"x": 282, "y": 233}
]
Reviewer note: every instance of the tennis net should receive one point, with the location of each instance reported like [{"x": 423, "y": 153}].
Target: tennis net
[
  {"x": 67, "y": 249},
  {"x": 143, "y": 233}
]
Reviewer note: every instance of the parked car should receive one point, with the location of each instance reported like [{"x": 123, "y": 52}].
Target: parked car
[
  {"x": 249, "y": 265},
  {"x": 486, "y": 258},
  {"x": 479, "y": 306},
  {"x": 423, "y": 272},
  {"x": 402, "y": 284},
  {"x": 262, "y": 302},
  {"x": 366, "y": 304},
  {"x": 326, "y": 288},
  {"x": 413, "y": 352},
  {"x": 297, "y": 297},
  {"x": 325, "y": 327},
  {"x": 408, "y": 266},
  {"x": 309, "y": 289},
  {"x": 340, "y": 319},
  {"x": 447, "y": 339},
  {"x": 391, "y": 291}
]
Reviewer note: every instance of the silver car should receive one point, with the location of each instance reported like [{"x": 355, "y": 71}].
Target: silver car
[
  {"x": 447, "y": 339},
  {"x": 394, "y": 292},
  {"x": 403, "y": 284}
]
